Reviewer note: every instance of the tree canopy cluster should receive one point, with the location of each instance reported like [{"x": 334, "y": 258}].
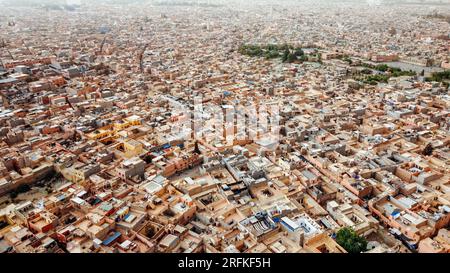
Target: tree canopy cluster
[
  {"x": 20, "y": 189},
  {"x": 443, "y": 77},
  {"x": 392, "y": 71},
  {"x": 388, "y": 72},
  {"x": 374, "y": 79},
  {"x": 287, "y": 53},
  {"x": 350, "y": 241}
]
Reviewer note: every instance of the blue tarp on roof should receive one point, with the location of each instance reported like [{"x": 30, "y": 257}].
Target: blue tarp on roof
[
  {"x": 61, "y": 197},
  {"x": 394, "y": 213},
  {"x": 111, "y": 238}
]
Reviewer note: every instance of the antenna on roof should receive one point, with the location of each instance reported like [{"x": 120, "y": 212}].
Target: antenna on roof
[
  {"x": 10, "y": 55},
  {"x": 103, "y": 44},
  {"x": 141, "y": 58},
  {"x": 101, "y": 47},
  {"x": 29, "y": 51}
]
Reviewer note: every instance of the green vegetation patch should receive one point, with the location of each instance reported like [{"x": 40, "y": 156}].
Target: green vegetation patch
[
  {"x": 388, "y": 72},
  {"x": 286, "y": 53},
  {"x": 439, "y": 76},
  {"x": 350, "y": 241}
]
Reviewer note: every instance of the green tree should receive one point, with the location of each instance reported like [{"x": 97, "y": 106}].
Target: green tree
[
  {"x": 382, "y": 67},
  {"x": 439, "y": 76},
  {"x": 347, "y": 59},
  {"x": 291, "y": 58},
  {"x": 272, "y": 47},
  {"x": 319, "y": 57},
  {"x": 13, "y": 195},
  {"x": 366, "y": 71},
  {"x": 350, "y": 241},
  {"x": 428, "y": 150},
  {"x": 299, "y": 52},
  {"x": 23, "y": 188},
  {"x": 272, "y": 54},
  {"x": 303, "y": 58},
  {"x": 285, "y": 56}
]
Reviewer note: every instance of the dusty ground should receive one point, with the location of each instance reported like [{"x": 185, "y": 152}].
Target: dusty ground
[{"x": 36, "y": 193}]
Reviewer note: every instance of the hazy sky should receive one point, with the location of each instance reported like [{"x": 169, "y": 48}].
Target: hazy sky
[{"x": 223, "y": 2}]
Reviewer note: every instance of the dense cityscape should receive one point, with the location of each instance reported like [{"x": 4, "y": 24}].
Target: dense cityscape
[{"x": 291, "y": 126}]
